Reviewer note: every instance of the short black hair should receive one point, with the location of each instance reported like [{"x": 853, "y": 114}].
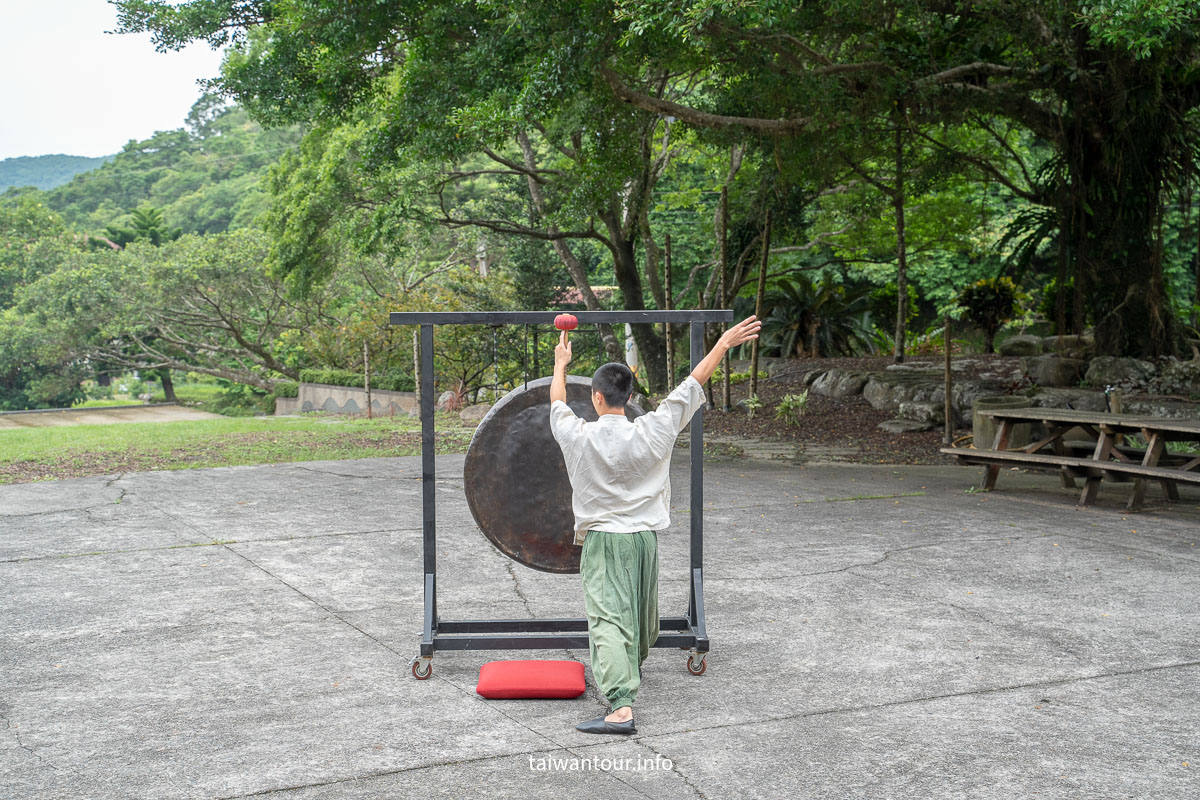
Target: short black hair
[{"x": 615, "y": 382}]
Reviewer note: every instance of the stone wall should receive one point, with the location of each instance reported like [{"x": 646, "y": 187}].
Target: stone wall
[
  {"x": 347, "y": 400},
  {"x": 916, "y": 394}
]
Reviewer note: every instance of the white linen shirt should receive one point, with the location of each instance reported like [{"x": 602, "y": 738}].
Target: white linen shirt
[{"x": 620, "y": 470}]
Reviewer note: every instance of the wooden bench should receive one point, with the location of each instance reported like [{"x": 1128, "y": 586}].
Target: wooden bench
[
  {"x": 1078, "y": 467},
  {"x": 1108, "y": 460}
]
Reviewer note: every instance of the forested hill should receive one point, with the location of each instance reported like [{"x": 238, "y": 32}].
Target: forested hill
[
  {"x": 204, "y": 177},
  {"x": 44, "y": 172}
]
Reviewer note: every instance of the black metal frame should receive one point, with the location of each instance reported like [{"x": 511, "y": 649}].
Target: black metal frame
[{"x": 685, "y": 632}]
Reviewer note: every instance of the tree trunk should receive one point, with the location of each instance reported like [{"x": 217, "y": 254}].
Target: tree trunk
[
  {"x": 653, "y": 257},
  {"x": 1119, "y": 265},
  {"x": 723, "y": 265},
  {"x": 669, "y": 301},
  {"x": 168, "y": 386},
  {"x": 901, "y": 248},
  {"x": 1196, "y": 272},
  {"x": 367, "y": 377},
  {"x": 649, "y": 343},
  {"x": 758, "y": 302},
  {"x": 612, "y": 346}
]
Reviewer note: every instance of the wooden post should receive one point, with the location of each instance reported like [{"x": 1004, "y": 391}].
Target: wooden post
[
  {"x": 367, "y": 376},
  {"x": 670, "y": 335},
  {"x": 758, "y": 302},
  {"x": 416, "y": 364},
  {"x": 901, "y": 244},
  {"x": 1114, "y": 400},
  {"x": 724, "y": 297},
  {"x": 948, "y": 438}
]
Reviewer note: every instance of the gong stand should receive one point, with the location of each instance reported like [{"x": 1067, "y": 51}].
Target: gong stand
[{"x": 685, "y": 632}]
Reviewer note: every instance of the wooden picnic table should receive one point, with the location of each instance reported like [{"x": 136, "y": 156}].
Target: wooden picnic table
[{"x": 1103, "y": 455}]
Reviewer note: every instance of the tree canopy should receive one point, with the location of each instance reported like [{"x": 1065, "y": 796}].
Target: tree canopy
[
  {"x": 353, "y": 158},
  {"x": 1106, "y": 92}
]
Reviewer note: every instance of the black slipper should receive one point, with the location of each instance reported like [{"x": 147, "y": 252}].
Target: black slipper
[{"x": 599, "y": 725}]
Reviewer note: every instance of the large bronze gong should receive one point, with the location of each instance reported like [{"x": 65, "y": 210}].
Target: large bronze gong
[{"x": 516, "y": 479}]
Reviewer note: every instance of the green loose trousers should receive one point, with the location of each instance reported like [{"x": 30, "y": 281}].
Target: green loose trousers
[{"x": 620, "y": 592}]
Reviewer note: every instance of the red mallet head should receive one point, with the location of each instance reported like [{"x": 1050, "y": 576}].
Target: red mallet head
[{"x": 566, "y": 322}]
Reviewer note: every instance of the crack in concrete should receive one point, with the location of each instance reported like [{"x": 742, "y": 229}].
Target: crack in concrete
[
  {"x": 1135, "y": 549},
  {"x": 72, "y": 510},
  {"x": 312, "y": 600},
  {"x": 674, "y": 767},
  {"x": 508, "y": 566},
  {"x": 794, "y": 502},
  {"x": 346, "y": 474},
  {"x": 419, "y": 768},
  {"x": 926, "y": 599},
  {"x": 930, "y": 698},
  {"x": 887, "y": 554},
  {"x": 20, "y": 743},
  {"x": 211, "y": 543},
  {"x": 87, "y": 510}
]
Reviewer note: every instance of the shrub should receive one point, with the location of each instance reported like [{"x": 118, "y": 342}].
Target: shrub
[
  {"x": 989, "y": 303},
  {"x": 393, "y": 380},
  {"x": 1048, "y": 307},
  {"x": 808, "y": 319},
  {"x": 287, "y": 389},
  {"x": 753, "y": 404},
  {"x": 791, "y": 408},
  {"x": 737, "y": 377},
  {"x": 883, "y": 305}
]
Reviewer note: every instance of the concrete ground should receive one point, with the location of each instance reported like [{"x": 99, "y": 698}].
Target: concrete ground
[
  {"x": 162, "y": 412},
  {"x": 877, "y": 632}
]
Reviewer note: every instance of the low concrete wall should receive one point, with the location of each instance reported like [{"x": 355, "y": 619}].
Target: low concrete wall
[
  {"x": 347, "y": 400},
  {"x": 286, "y": 405}
]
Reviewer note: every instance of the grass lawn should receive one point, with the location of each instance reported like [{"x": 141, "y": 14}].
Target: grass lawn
[
  {"x": 204, "y": 396},
  {"x": 32, "y": 454}
]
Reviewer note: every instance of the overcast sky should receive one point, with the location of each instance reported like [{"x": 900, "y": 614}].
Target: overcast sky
[{"x": 68, "y": 87}]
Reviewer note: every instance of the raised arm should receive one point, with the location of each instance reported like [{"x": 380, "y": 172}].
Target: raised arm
[
  {"x": 562, "y": 357},
  {"x": 744, "y": 331}
]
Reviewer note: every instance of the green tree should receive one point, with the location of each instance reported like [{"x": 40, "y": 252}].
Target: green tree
[
  {"x": 449, "y": 94},
  {"x": 1109, "y": 86},
  {"x": 989, "y": 303}
]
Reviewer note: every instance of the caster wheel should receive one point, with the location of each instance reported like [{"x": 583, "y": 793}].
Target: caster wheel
[
  {"x": 418, "y": 673},
  {"x": 697, "y": 667}
]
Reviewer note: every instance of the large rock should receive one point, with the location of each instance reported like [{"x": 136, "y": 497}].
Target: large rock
[
  {"x": 446, "y": 401},
  {"x": 933, "y": 413},
  {"x": 811, "y": 376},
  {"x": 1051, "y": 370},
  {"x": 475, "y": 413},
  {"x": 1020, "y": 346},
  {"x": 904, "y": 426},
  {"x": 887, "y": 391},
  {"x": 1178, "y": 377},
  {"x": 840, "y": 383},
  {"x": 1115, "y": 371},
  {"x": 782, "y": 367},
  {"x": 1076, "y": 399},
  {"x": 1070, "y": 346},
  {"x": 1163, "y": 408}
]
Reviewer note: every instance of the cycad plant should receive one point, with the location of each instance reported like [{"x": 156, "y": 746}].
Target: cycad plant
[{"x": 810, "y": 319}]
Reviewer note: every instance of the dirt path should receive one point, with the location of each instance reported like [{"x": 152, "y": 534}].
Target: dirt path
[{"x": 100, "y": 416}]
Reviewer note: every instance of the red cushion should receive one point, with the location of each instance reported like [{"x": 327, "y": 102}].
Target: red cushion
[{"x": 506, "y": 680}]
